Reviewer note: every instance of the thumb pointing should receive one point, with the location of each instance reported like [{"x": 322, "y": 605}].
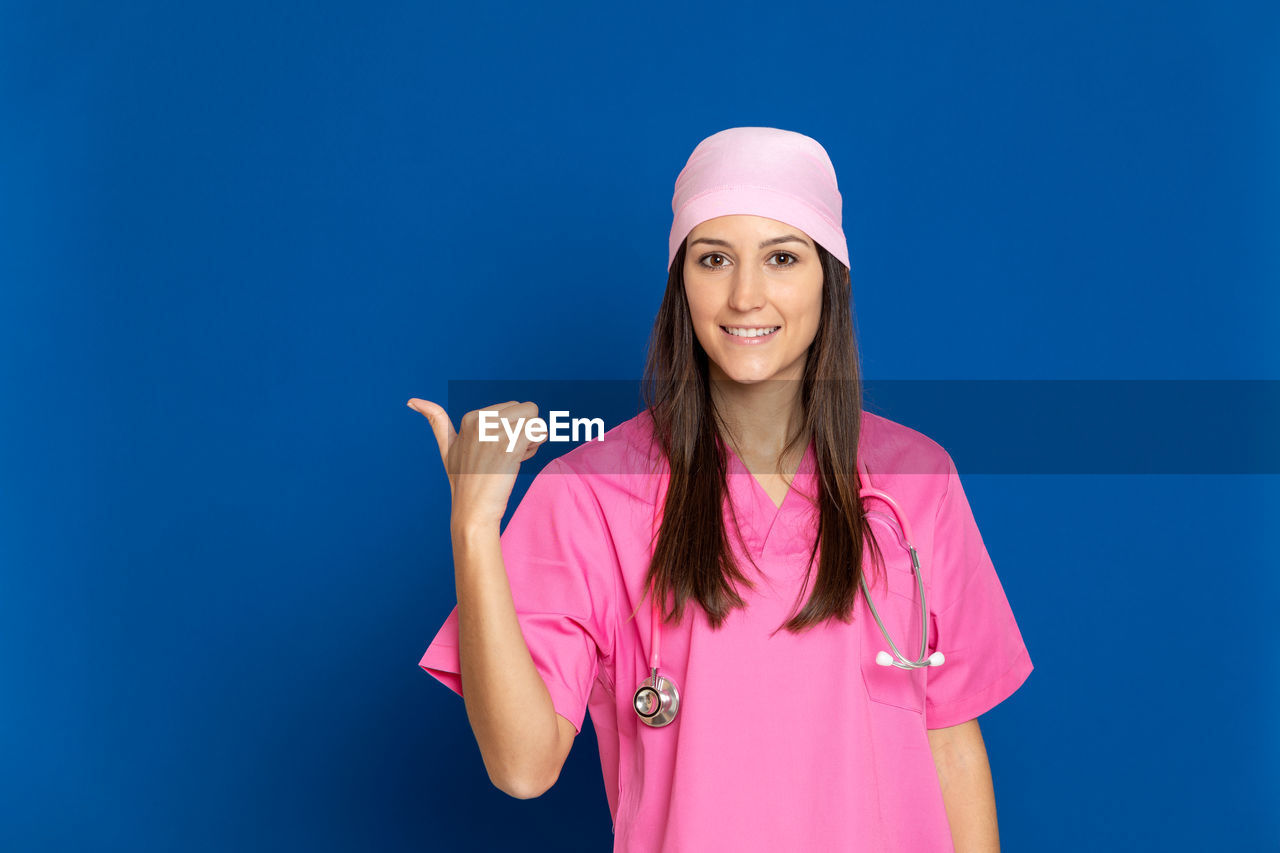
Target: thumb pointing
[{"x": 440, "y": 425}]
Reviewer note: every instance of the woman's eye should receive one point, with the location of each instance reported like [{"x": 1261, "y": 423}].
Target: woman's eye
[{"x": 723, "y": 261}]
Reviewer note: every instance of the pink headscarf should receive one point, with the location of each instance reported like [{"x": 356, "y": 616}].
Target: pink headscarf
[{"x": 763, "y": 171}]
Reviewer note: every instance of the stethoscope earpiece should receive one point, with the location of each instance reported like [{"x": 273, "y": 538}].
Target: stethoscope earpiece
[{"x": 886, "y": 659}]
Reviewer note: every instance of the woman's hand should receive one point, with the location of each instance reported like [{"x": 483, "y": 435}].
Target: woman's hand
[{"x": 481, "y": 473}]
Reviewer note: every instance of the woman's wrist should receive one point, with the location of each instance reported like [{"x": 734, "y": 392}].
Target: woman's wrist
[{"x": 466, "y": 529}]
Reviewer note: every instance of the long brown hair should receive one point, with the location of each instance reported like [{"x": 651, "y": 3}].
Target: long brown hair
[{"x": 692, "y": 559}]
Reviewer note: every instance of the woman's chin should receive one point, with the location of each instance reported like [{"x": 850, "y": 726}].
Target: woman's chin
[{"x": 748, "y": 376}]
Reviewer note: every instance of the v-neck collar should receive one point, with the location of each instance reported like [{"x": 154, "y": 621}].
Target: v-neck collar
[{"x": 754, "y": 506}]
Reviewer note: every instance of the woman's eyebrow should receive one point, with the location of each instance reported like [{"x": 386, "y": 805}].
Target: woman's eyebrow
[{"x": 788, "y": 238}]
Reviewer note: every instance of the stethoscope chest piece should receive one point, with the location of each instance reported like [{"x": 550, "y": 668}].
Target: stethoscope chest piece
[{"x": 656, "y": 700}]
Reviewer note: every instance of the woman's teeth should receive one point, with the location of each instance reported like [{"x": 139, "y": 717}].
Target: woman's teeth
[{"x": 751, "y": 333}]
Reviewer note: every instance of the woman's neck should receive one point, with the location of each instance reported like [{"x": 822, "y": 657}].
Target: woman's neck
[{"x": 760, "y": 418}]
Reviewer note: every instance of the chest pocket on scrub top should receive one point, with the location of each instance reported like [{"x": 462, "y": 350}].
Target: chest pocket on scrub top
[{"x": 898, "y": 603}]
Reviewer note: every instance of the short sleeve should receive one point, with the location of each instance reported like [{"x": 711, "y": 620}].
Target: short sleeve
[
  {"x": 562, "y": 568},
  {"x": 986, "y": 659}
]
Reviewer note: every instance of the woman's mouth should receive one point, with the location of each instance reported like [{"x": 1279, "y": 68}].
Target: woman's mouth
[{"x": 749, "y": 335}]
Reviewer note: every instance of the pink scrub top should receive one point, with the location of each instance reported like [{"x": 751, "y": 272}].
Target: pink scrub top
[{"x": 782, "y": 741}]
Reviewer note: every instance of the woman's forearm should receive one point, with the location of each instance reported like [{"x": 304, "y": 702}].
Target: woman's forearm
[
  {"x": 507, "y": 702},
  {"x": 967, "y": 791}
]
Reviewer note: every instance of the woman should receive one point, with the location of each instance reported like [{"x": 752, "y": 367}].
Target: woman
[{"x": 742, "y": 499}]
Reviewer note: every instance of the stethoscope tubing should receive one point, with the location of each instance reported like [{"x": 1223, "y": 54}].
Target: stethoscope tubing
[{"x": 898, "y": 659}]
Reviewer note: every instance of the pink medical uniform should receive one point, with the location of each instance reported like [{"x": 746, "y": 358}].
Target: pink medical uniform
[{"x": 782, "y": 741}]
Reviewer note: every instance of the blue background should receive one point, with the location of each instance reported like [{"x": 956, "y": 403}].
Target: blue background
[{"x": 235, "y": 238}]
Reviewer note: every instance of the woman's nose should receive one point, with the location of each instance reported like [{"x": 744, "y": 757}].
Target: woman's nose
[{"x": 746, "y": 291}]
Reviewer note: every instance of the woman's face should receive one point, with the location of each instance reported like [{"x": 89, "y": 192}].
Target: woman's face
[{"x": 750, "y": 273}]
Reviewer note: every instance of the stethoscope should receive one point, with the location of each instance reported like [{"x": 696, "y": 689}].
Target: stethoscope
[{"x": 657, "y": 698}]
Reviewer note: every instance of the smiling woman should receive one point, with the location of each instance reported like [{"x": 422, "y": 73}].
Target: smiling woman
[
  {"x": 735, "y": 513},
  {"x": 754, "y": 308}
]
